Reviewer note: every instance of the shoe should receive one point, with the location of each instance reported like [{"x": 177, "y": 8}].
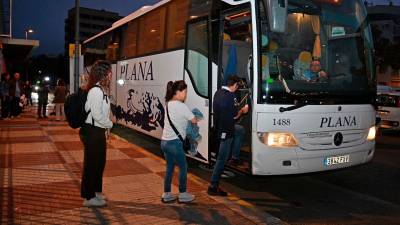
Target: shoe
[
  {"x": 227, "y": 174},
  {"x": 235, "y": 162},
  {"x": 45, "y": 117},
  {"x": 94, "y": 202},
  {"x": 185, "y": 197},
  {"x": 40, "y": 117},
  {"x": 100, "y": 196},
  {"x": 168, "y": 197},
  {"x": 216, "y": 191}
]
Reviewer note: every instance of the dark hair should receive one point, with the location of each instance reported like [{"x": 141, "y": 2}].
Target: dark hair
[
  {"x": 98, "y": 72},
  {"x": 232, "y": 80},
  {"x": 173, "y": 87},
  {"x": 60, "y": 82},
  {"x": 3, "y": 76}
]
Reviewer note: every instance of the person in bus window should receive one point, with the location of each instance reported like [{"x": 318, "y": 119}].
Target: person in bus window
[
  {"x": 225, "y": 114},
  {"x": 315, "y": 72}
]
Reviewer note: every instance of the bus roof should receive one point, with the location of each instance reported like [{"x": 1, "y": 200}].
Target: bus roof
[{"x": 126, "y": 19}]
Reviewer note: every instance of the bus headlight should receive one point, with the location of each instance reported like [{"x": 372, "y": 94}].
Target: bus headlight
[
  {"x": 278, "y": 139},
  {"x": 371, "y": 133}
]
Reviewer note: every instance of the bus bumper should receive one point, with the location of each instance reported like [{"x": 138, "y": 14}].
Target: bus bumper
[{"x": 281, "y": 161}]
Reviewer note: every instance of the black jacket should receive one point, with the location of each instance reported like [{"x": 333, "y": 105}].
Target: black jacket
[{"x": 224, "y": 112}]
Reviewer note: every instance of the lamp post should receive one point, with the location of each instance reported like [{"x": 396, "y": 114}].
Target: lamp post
[
  {"x": 27, "y": 32},
  {"x": 76, "y": 64}
]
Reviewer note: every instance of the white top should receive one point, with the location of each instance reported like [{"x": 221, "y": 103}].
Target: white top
[
  {"x": 180, "y": 114},
  {"x": 99, "y": 108}
]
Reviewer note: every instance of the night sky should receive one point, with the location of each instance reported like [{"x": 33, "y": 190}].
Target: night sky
[{"x": 46, "y": 18}]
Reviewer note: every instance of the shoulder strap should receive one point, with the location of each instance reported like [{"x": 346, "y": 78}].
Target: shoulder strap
[
  {"x": 105, "y": 97},
  {"x": 173, "y": 127}
]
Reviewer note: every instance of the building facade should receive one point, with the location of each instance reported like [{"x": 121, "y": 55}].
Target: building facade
[
  {"x": 91, "y": 22},
  {"x": 386, "y": 19}
]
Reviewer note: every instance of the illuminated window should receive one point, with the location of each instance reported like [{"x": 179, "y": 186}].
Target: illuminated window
[
  {"x": 178, "y": 14},
  {"x": 151, "y": 35}
]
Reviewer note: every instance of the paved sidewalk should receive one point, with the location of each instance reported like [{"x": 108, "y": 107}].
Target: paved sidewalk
[{"x": 40, "y": 171}]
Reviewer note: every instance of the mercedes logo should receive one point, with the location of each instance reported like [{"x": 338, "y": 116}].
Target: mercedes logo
[{"x": 338, "y": 139}]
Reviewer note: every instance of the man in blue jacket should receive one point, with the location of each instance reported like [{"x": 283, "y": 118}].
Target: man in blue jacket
[{"x": 225, "y": 113}]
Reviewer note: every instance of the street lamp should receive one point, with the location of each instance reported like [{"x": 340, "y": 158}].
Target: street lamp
[{"x": 28, "y": 31}]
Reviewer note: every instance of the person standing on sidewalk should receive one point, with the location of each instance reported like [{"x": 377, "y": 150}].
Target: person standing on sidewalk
[
  {"x": 225, "y": 113},
  {"x": 28, "y": 92},
  {"x": 43, "y": 96},
  {"x": 175, "y": 124},
  {"x": 94, "y": 134},
  {"x": 5, "y": 96},
  {"x": 16, "y": 89},
  {"x": 60, "y": 94}
]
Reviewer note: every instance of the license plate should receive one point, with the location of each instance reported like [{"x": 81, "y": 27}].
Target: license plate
[{"x": 333, "y": 160}]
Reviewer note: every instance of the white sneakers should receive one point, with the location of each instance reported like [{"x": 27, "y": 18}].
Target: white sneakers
[
  {"x": 94, "y": 202},
  {"x": 100, "y": 196},
  {"x": 185, "y": 197},
  {"x": 98, "y": 201},
  {"x": 182, "y": 197},
  {"x": 168, "y": 197}
]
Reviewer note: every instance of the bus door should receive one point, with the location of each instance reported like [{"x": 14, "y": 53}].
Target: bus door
[
  {"x": 196, "y": 76},
  {"x": 235, "y": 58}
]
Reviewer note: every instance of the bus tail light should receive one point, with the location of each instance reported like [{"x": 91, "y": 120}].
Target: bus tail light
[
  {"x": 371, "y": 133},
  {"x": 277, "y": 139}
]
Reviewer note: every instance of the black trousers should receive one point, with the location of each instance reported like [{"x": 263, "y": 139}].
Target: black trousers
[
  {"x": 15, "y": 108},
  {"x": 5, "y": 107},
  {"x": 94, "y": 160},
  {"x": 42, "y": 105}
]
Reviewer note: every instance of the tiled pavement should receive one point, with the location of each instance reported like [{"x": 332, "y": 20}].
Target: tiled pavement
[{"x": 40, "y": 170}]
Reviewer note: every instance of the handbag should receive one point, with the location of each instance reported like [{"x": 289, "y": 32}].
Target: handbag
[{"x": 185, "y": 142}]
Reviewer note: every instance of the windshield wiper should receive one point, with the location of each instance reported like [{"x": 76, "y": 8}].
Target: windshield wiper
[{"x": 297, "y": 105}]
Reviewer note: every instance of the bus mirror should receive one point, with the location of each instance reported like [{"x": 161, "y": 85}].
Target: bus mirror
[{"x": 277, "y": 15}]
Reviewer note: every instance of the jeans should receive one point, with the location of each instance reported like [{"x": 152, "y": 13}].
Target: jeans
[
  {"x": 237, "y": 141},
  {"x": 174, "y": 154},
  {"x": 223, "y": 154},
  {"x": 94, "y": 159}
]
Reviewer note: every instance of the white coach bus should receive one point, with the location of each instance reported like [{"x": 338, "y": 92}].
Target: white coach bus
[{"x": 307, "y": 69}]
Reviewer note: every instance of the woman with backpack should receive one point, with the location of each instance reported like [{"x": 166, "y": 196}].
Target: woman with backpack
[
  {"x": 93, "y": 134},
  {"x": 60, "y": 94},
  {"x": 175, "y": 124}
]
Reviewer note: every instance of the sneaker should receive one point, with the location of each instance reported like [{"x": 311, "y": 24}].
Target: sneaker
[
  {"x": 185, "y": 197},
  {"x": 94, "y": 202},
  {"x": 227, "y": 174},
  {"x": 168, "y": 197},
  {"x": 216, "y": 191},
  {"x": 100, "y": 196}
]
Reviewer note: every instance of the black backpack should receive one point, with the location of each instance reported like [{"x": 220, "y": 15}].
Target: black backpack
[{"x": 74, "y": 108}]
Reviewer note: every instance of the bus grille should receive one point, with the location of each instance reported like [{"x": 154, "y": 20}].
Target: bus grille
[{"x": 325, "y": 140}]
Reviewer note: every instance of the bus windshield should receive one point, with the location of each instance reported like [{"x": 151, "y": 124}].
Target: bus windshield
[{"x": 325, "y": 55}]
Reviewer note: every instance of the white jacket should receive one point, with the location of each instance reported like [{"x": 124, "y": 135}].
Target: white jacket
[{"x": 99, "y": 106}]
